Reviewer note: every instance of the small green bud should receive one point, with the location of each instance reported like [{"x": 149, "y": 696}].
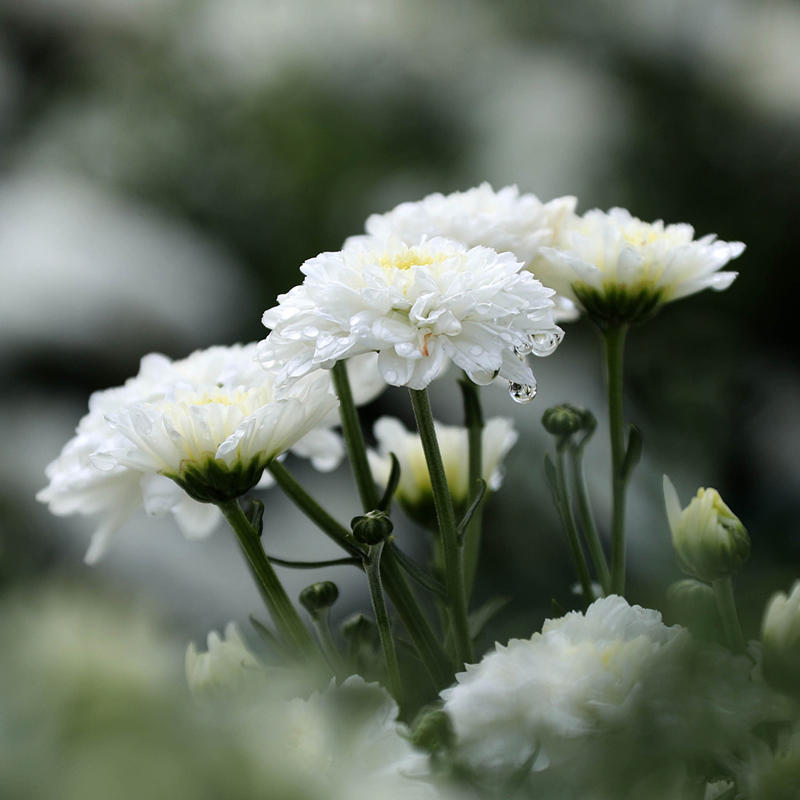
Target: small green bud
[
  {"x": 359, "y": 627},
  {"x": 708, "y": 538},
  {"x": 563, "y": 420},
  {"x": 372, "y": 528},
  {"x": 432, "y": 731},
  {"x": 780, "y": 637},
  {"x": 691, "y": 603},
  {"x": 319, "y": 596}
]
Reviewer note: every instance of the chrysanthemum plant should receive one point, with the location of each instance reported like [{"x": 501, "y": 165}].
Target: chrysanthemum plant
[{"x": 474, "y": 281}]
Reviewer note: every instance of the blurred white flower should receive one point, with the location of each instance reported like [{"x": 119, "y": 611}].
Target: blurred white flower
[
  {"x": 419, "y": 307},
  {"x": 226, "y": 666},
  {"x": 503, "y": 220},
  {"x": 621, "y": 269},
  {"x": 708, "y": 538},
  {"x": 414, "y": 490},
  {"x": 230, "y": 385},
  {"x": 601, "y": 699},
  {"x": 780, "y": 638},
  {"x": 771, "y": 773}
]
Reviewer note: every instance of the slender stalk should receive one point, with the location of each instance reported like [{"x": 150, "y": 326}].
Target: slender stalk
[
  {"x": 726, "y": 605},
  {"x": 614, "y": 348},
  {"x": 453, "y": 566},
  {"x": 372, "y": 566},
  {"x": 568, "y": 521},
  {"x": 354, "y": 438},
  {"x": 587, "y": 520},
  {"x": 473, "y": 420},
  {"x": 280, "y": 607},
  {"x": 312, "y": 509},
  {"x": 429, "y": 647}
]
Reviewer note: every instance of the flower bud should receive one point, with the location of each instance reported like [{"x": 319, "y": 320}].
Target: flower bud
[
  {"x": 372, "y": 528},
  {"x": 319, "y": 596},
  {"x": 563, "y": 420},
  {"x": 433, "y": 731},
  {"x": 228, "y": 665},
  {"x": 780, "y": 635},
  {"x": 692, "y": 604},
  {"x": 708, "y": 538}
]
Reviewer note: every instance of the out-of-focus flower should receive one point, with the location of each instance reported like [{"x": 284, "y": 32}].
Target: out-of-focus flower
[
  {"x": 599, "y": 701},
  {"x": 780, "y": 638},
  {"x": 620, "y": 269},
  {"x": 771, "y": 773},
  {"x": 226, "y": 666},
  {"x": 414, "y": 490},
  {"x": 218, "y": 375},
  {"x": 708, "y": 537},
  {"x": 504, "y": 220},
  {"x": 420, "y": 307}
]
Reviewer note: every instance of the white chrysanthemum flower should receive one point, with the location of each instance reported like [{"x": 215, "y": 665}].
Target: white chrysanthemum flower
[
  {"x": 780, "y": 637},
  {"x": 349, "y": 735},
  {"x": 77, "y": 485},
  {"x": 226, "y": 666},
  {"x": 621, "y": 269},
  {"x": 597, "y": 700},
  {"x": 504, "y": 220},
  {"x": 414, "y": 490},
  {"x": 419, "y": 307}
]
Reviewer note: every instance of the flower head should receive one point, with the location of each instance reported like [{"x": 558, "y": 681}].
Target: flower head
[
  {"x": 599, "y": 700},
  {"x": 419, "y": 307},
  {"x": 621, "y": 269},
  {"x": 780, "y": 637},
  {"x": 226, "y": 666},
  {"x": 414, "y": 490},
  {"x": 183, "y": 411},
  {"x": 504, "y": 220},
  {"x": 707, "y": 536}
]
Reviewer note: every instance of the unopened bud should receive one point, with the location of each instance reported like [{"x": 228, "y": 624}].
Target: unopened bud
[
  {"x": 692, "y": 604},
  {"x": 780, "y": 636},
  {"x": 433, "y": 731},
  {"x": 563, "y": 420},
  {"x": 372, "y": 528},
  {"x": 319, "y": 596},
  {"x": 708, "y": 538}
]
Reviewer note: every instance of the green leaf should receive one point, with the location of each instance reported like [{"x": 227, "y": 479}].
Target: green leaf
[
  {"x": 552, "y": 477},
  {"x": 416, "y": 573},
  {"x": 477, "y": 499},
  {"x": 633, "y": 452},
  {"x": 255, "y": 516},
  {"x": 391, "y": 484}
]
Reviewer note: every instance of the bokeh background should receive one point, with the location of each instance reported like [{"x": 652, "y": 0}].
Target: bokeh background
[{"x": 167, "y": 165}]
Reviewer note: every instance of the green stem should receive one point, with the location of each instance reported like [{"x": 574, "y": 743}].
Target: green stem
[
  {"x": 614, "y": 348},
  {"x": 587, "y": 520},
  {"x": 429, "y": 647},
  {"x": 568, "y": 521},
  {"x": 726, "y": 605},
  {"x": 453, "y": 566},
  {"x": 354, "y": 438},
  {"x": 473, "y": 420},
  {"x": 312, "y": 509},
  {"x": 283, "y": 613},
  {"x": 372, "y": 565}
]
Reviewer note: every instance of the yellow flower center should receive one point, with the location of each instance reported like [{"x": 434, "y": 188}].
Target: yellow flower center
[{"x": 412, "y": 257}]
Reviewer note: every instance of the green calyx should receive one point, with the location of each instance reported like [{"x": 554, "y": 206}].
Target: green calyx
[
  {"x": 616, "y": 305},
  {"x": 372, "y": 528},
  {"x": 319, "y": 596},
  {"x": 213, "y": 481}
]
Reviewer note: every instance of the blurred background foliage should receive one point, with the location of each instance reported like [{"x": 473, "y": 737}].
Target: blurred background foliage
[{"x": 167, "y": 165}]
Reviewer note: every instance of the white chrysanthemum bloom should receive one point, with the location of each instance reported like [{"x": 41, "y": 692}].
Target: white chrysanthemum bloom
[
  {"x": 780, "y": 638},
  {"x": 504, "y": 220},
  {"x": 77, "y": 485},
  {"x": 414, "y": 490},
  {"x": 598, "y": 700},
  {"x": 621, "y": 269},
  {"x": 420, "y": 308},
  {"x": 226, "y": 666},
  {"x": 350, "y": 737},
  {"x": 709, "y": 539}
]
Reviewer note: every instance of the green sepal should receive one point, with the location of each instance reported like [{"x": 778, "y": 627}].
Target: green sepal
[
  {"x": 212, "y": 481},
  {"x": 613, "y": 305}
]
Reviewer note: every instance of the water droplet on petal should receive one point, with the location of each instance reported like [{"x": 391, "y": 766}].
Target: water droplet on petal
[
  {"x": 521, "y": 392},
  {"x": 525, "y": 347},
  {"x": 543, "y": 344}
]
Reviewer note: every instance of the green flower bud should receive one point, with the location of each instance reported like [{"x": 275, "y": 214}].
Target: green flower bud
[
  {"x": 319, "y": 596},
  {"x": 432, "y": 731},
  {"x": 780, "y": 636},
  {"x": 563, "y": 420},
  {"x": 372, "y": 528},
  {"x": 692, "y": 604},
  {"x": 708, "y": 538}
]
